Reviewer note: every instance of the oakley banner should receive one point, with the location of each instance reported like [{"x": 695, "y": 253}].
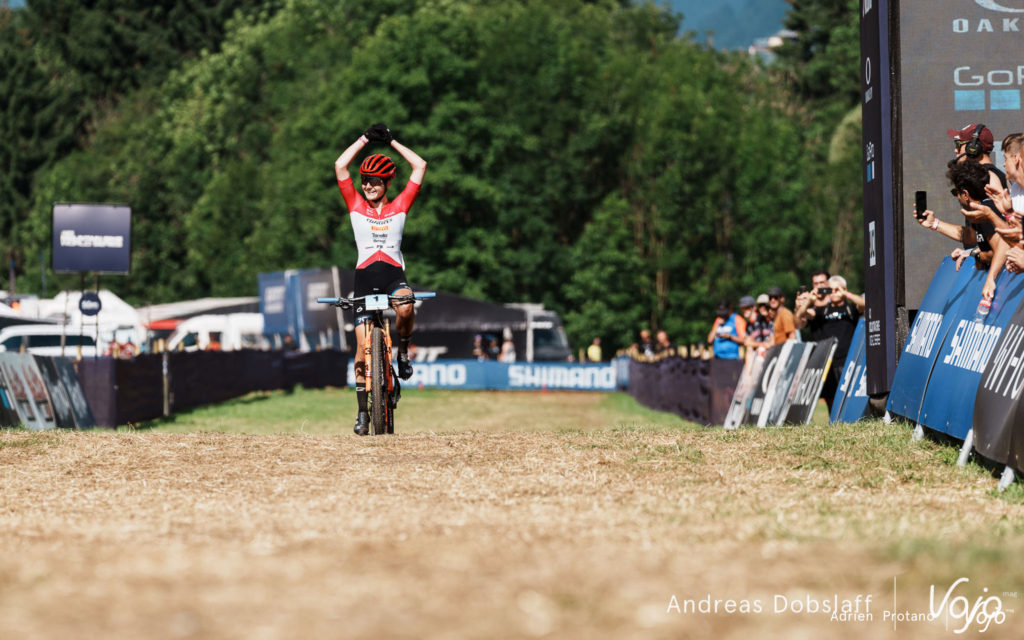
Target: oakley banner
[
  {"x": 949, "y": 400},
  {"x": 774, "y": 358},
  {"x": 851, "y": 399},
  {"x": 930, "y": 327},
  {"x": 807, "y": 387},
  {"x": 92, "y": 237}
]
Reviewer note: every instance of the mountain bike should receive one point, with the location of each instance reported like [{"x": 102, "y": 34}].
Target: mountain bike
[{"x": 384, "y": 389}]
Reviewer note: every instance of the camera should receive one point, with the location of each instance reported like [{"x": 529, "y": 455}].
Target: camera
[{"x": 824, "y": 291}]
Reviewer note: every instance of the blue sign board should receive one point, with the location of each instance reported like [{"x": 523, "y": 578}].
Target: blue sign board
[
  {"x": 851, "y": 399},
  {"x": 949, "y": 401},
  {"x": 274, "y": 302},
  {"x": 931, "y": 324},
  {"x": 526, "y": 376},
  {"x": 92, "y": 237}
]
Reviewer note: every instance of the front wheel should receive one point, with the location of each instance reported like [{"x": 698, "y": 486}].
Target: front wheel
[{"x": 379, "y": 409}]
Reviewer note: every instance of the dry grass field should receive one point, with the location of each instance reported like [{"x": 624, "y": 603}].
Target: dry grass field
[{"x": 496, "y": 515}]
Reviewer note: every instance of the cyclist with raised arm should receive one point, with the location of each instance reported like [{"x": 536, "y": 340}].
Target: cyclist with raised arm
[{"x": 377, "y": 224}]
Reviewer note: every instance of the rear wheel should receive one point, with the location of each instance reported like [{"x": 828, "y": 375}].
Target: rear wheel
[{"x": 379, "y": 409}]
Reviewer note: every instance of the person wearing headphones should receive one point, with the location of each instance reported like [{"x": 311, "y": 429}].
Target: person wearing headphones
[
  {"x": 974, "y": 143},
  {"x": 377, "y": 224}
]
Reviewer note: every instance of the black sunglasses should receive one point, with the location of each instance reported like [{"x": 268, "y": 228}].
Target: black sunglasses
[{"x": 372, "y": 181}]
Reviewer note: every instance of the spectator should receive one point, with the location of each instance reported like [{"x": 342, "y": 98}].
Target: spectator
[
  {"x": 508, "y": 348},
  {"x": 837, "y": 319},
  {"x": 979, "y": 238},
  {"x": 817, "y": 297},
  {"x": 784, "y": 327},
  {"x": 1011, "y": 202},
  {"x": 493, "y": 348},
  {"x": 479, "y": 348},
  {"x": 759, "y": 328},
  {"x": 665, "y": 345},
  {"x": 727, "y": 333},
  {"x": 646, "y": 345},
  {"x": 974, "y": 143},
  {"x": 594, "y": 350},
  {"x": 288, "y": 343}
]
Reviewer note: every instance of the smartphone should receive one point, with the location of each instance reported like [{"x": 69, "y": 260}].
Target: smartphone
[{"x": 921, "y": 202}]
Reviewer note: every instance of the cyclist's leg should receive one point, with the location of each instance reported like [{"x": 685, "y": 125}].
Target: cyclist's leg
[{"x": 406, "y": 319}]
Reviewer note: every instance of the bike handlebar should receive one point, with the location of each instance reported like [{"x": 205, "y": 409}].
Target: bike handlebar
[{"x": 350, "y": 302}]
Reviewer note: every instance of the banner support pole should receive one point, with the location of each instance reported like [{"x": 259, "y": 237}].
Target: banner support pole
[
  {"x": 918, "y": 433},
  {"x": 1008, "y": 478},
  {"x": 965, "y": 451}
]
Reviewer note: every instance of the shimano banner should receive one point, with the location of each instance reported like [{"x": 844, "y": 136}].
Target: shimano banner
[
  {"x": 949, "y": 400},
  {"x": 930, "y": 326},
  {"x": 92, "y": 237},
  {"x": 851, "y": 400},
  {"x": 474, "y": 374}
]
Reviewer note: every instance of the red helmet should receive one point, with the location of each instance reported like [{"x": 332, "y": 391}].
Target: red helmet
[{"x": 378, "y": 165}]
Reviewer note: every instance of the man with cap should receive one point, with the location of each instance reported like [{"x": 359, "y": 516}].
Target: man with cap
[
  {"x": 785, "y": 327},
  {"x": 974, "y": 143}
]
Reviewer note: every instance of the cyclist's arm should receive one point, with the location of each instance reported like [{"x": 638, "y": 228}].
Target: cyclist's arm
[
  {"x": 347, "y": 156},
  {"x": 418, "y": 164}
]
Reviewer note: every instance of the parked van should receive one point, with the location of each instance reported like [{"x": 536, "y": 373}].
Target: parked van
[
  {"x": 227, "y": 332},
  {"x": 46, "y": 339}
]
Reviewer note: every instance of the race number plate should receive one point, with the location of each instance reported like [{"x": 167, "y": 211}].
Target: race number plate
[{"x": 377, "y": 302}]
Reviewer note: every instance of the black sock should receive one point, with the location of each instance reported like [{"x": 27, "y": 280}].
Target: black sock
[
  {"x": 361, "y": 398},
  {"x": 403, "y": 343}
]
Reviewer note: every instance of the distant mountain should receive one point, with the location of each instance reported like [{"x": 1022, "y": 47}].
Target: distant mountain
[{"x": 735, "y": 23}]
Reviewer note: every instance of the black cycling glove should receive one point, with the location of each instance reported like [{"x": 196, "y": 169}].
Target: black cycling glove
[{"x": 379, "y": 133}]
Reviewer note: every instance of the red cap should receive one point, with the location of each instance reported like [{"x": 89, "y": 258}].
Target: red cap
[{"x": 965, "y": 134}]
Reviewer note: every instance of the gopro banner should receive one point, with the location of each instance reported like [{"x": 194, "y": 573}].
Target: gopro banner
[
  {"x": 877, "y": 182},
  {"x": 926, "y": 335},
  {"x": 851, "y": 400},
  {"x": 474, "y": 374},
  {"x": 92, "y": 237},
  {"x": 949, "y": 400},
  {"x": 803, "y": 397}
]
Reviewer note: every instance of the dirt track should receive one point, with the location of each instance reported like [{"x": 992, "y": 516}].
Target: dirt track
[{"x": 147, "y": 535}]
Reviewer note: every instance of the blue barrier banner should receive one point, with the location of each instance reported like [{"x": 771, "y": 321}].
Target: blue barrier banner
[
  {"x": 932, "y": 323},
  {"x": 949, "y": 401},
  {"x": 851, "y": 399},
  {"x": 274, "y": 302},
  {"x": 527, "y": 376}
]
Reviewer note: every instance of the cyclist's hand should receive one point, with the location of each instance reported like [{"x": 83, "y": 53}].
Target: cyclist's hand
[{"x": 379, "y": 133}]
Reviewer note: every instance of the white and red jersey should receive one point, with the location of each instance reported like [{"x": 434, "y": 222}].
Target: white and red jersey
[{"x": 378, "y": 235}]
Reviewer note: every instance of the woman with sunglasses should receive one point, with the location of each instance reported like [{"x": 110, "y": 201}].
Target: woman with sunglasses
[{"x": 377, "y": 224}]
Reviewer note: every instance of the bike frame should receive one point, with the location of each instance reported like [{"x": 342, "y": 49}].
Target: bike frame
[{"x": 374, "y": 306}]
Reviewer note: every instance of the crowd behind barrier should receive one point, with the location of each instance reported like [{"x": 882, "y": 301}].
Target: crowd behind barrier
[{"x": 150, "y": 386}]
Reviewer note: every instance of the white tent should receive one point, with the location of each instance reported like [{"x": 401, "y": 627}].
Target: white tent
[{"x": 116, "y": 319}]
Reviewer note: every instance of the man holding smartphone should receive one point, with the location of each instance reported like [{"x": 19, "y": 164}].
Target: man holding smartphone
[
  {"x": 837, "y": 318},
  {"x": 816, "y": 298},
  {"x": 979, "y": 239}
]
